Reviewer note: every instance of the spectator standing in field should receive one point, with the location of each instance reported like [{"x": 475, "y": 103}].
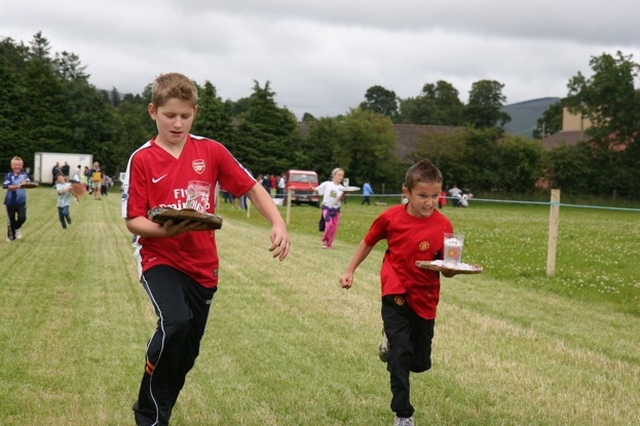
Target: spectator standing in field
[
  {"x": 96, "y": 179},
  {"x": 282, "y": 183},
  {"x": 414, "y": 231},
  {"x": 273, "y": 181},
  {"x": 455, "y": 193},
  {"x": 55, "y": 171},
  {"x": 179, "y": 261},
  {"x": 15, "y": 200},
  {"x": 266, "y": 183},
  {"x": 65, "y": 169},
  {"x": 442, "y": 199},
  {"x": 64, "y": 200},
  {"x": 107, "y": 183},
  {"x": 86, "y": 179},
  {"x": 77, "y": 175},
  {"x": 332, "y": 195},
  {"x": 367, "y": 191}
]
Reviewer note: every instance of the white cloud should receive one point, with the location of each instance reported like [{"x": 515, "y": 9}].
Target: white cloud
[{"x": 322, "y": 57}]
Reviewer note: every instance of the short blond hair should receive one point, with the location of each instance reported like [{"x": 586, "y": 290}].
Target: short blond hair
[
  {"x": 173, "y": 86},
  {"x": 16, "y": 158}
]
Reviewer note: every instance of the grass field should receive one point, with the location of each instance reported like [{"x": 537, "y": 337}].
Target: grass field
[{"x": 286, "y": 346}]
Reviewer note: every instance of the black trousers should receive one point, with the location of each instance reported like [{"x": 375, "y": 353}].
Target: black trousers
[
  {"x": 410, "y": 339},
  {"x": 17, "y": 217},
  {"x": 182, "y": 307}
]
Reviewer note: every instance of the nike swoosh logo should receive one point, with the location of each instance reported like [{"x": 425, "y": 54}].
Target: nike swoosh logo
[{"x": 156, "y": 180}]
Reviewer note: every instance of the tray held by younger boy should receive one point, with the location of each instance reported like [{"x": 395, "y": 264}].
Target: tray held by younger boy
[{"x": 439, "y": 265}]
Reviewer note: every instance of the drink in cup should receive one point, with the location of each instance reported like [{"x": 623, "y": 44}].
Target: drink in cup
[
  {"x": 453, "y": 249},
  {"x": 198, "y": 195}
]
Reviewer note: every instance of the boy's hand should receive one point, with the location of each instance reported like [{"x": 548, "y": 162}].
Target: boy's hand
[
  {"x": 280, "y": 242},
  {"x": 346, "y": 280},
  {"x": 447, "y": 272}
]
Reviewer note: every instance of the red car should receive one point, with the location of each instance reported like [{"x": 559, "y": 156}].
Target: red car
[{"x": 298, "y": 181}]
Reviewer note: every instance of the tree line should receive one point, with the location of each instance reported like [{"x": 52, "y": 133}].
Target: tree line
[{"x": 48, "y": 105}]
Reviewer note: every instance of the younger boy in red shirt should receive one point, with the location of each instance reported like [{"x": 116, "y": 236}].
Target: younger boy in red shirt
[{"x": 414, "y": 231}]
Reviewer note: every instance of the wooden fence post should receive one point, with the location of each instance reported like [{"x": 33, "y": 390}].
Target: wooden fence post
[
  {"x": 288, "y": 206},
  {"x": 554, "y": 216}
]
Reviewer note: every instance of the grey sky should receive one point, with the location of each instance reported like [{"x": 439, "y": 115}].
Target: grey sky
[{"x": 322, "y": 57}]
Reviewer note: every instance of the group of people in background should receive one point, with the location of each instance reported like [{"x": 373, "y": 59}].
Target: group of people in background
[
  {"x": 459, "y": 197},
  {"x": 94, "y": 179},
  {"x": 273, "y": 184},
  {"x": 15, "y": 199}
]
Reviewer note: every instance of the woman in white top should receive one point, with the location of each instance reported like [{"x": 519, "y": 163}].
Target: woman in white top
[{"x": 332, "y": 194}]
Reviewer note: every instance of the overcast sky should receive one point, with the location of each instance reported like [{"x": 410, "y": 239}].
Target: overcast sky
[{"x": 322, "y": 57}]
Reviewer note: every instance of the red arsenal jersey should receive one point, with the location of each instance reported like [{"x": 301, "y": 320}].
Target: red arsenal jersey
[
  {"x": 410, "y": 239},
  {"x": 155, "y": 178}
]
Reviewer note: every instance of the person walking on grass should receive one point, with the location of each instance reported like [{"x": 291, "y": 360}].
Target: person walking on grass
[
  {"x": 414, "y": 231},
  {"x": 15, "y": 200},
  {"x": 332, "y": 195},
  {"x": 367, "y": 191},
  {"x": 64, "y": 200},
  {"x": 96, "y": 178},
  {"x": 179, "y": 261}
]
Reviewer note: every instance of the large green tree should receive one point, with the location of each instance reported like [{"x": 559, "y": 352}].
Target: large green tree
[
  {"x": 362, "y": 142},
  {"x": 48, "y": 105},
  {"x": 449, "y": 110},
  {"x": 569, "y": 168},
  {"x": 382, "y": 101},
  {"x": 13, "y": 99},
  {"x": 367, "y": 148},
  {"x": 484, "y": 108},
  {"x": 437, "y": 104},
  {"x": 550, "y": 121},
  {"x": 319, "y": 143},
  {"x": 214, "y": 119},
  {"x": 475, "y": 159},
  {"x": 268, "y": 136},
  {"x": 610, "y": 99}
]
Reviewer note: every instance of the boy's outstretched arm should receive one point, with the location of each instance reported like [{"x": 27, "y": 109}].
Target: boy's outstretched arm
[
  {"x": 280, "y": 242},
  {"x": 361, "y": 253}
]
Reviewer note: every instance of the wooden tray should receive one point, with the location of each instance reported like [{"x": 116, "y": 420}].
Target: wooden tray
[
  {"x": 438, "y": 265},
  {"x": 162, "y": 214},
  {"x": 26, "y": 185},
  {"x": 77, "y": 189}
]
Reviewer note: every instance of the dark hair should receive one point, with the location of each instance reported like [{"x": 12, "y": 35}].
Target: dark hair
[{"x": 423, "y": 171}]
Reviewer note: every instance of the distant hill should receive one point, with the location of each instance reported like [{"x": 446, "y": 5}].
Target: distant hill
[{"x": 524, "y": 115}]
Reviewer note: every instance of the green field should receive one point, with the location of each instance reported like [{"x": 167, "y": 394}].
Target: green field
[{"x": 286, "y": 346}]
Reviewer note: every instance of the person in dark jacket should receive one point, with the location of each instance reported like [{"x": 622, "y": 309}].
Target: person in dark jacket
[{"x": 15, "y": 199}]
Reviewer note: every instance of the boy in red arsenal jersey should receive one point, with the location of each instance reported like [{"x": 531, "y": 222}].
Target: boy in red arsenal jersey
[
  {"x": 414, "y": 231},
  {"x": 178, "y": 263}
]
